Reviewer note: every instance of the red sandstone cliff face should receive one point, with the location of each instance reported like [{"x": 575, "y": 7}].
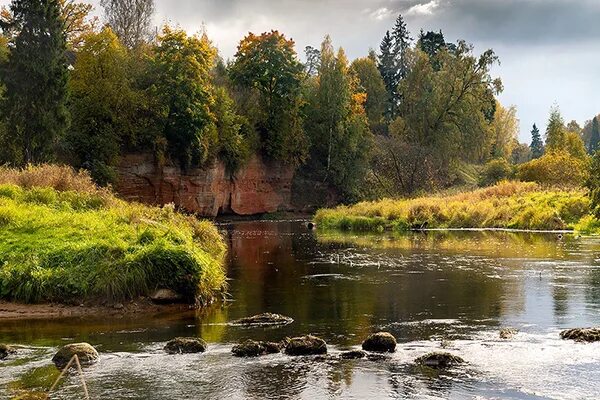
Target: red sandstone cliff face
[{"x": 259, "y": 187}]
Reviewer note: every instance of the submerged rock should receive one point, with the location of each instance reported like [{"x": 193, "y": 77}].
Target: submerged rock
[
  {"x": 186, "y": 345},
  {"x": 439, "y": 360},
  {"x": 32, "y": 396},
  {"x": 381, "y": 342},
  {"x": 305, "y": 346},
  {"x": 86, "y": 353},
  {"x": 252, "y": 348},
  {"x": 582, "y": 334},
  {"x": 353, "y": 354},
  {"x": 166, "y": 296},
  {"x": 264, "y": 319},
  {"x": 5, "y": 350},
  {"x": 508, "y": 333}
]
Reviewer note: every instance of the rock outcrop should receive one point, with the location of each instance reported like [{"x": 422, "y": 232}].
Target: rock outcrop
[
  {"x": 258, "y": 187},
  {"x": 381, "y": 342},
  {"x": 186, "y": 345},
  {"x": 86, "y": 353},
  {"x": 305, "y": 346}
]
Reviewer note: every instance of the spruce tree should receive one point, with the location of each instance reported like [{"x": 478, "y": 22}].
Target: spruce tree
[
  {"x": 36, "y": 80},
  {"x": 537, "y": 146},
  {"x": 402, "y": 40},
  {"x": 387, "y": 68},
  {"x": 595, "y": 138}
]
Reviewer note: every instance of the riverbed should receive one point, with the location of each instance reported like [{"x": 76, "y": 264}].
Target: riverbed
[{"x": 450, "y": 291}]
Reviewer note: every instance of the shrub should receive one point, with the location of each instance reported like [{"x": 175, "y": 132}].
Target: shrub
[
  {"x": 495, "y": 171},
  {"x": 558, "y": 168}
]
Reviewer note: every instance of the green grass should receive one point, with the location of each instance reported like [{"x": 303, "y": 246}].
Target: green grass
[
  {"x": 71, "y": 246},
  {"x": 513, "y": 205}
]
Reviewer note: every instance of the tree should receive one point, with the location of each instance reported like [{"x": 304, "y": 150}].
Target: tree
[
  {"x": 182, "y": 67},
  {"x": 131, "y": 20},
  {"x": 35, "y": 77},
  {"x": 387, "y": 69},
  {"x": 595, "y": 136},
  {"x": 402, "y": 40},
  {"x": 505, "y": 128},
  {"x": 371, "y": 83},
  {"x": 556, "y": 132},
  {"x": 431, "y": 43},
  {"x": 537, "y": 145},
  {"x": 313, "y": 57},
  {"x": 268, "y": 65}
]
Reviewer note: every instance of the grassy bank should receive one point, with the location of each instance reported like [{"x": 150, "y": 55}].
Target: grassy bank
[
  {"x": 64, "y": 240},
  {"x": 514, "y": 205}
]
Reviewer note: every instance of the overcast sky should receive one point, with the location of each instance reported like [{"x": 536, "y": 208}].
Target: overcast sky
[{"x": 549, "y": 49}]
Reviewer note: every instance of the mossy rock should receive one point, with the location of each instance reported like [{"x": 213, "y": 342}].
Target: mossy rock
[
  {"x": 305, "y": 346},
  {"x": 353, "y": 354},
  {"x": 186, "y": 345},
  {"x": 5, "y": 351},
  {"x": 508, "y": 333},
  {"x": 381, "y": 342},
  {"x": 264, "y": 319},
  {"x": 252, "y": 348},
  {"x": 581, "y": 334},
  {"x": 86, "y": 353},
  {"x": 439, "y": 360}
]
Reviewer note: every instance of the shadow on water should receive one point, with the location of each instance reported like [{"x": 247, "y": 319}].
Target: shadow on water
[{"x": 431, "y": 290}]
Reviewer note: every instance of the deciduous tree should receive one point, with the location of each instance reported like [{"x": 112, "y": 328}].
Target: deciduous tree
[{"x": 131, "y": 20}]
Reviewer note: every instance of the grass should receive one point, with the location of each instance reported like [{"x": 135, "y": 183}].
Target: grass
[
  {"x": 513, "y": 205},
  {"x": 64, "y": 240}
]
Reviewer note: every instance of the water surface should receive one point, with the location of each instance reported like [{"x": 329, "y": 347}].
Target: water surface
[{"x": 451, "y": 291}]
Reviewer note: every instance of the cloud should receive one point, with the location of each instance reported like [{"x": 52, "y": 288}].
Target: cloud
[
  {"x": 422, "y": 9},
  {"x": 382, "y": 13}
]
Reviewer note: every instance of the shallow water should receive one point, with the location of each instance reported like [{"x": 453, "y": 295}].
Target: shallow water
[{"x": 451, "y": 291}]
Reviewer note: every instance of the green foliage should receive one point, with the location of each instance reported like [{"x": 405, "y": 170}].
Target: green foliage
[
  {"x": 593, "y": 183},
  {"x": 595, "y": 136},
  {"x": 234, "y": 146},
  {"x": 514, "y": 205},
  {"x": 495, "y": 171},
  {"x": 35, "y": 77},
  {"x": 556, "y": 132},
  {"x": 504, "y": 131},
  {"x": 268, "y": 65},
  {"x": 555, "y": 168},
  {"x": 371, "y": 83},
  {"x": 68, "y": 246},
  {"x": 537, "y": 145}
]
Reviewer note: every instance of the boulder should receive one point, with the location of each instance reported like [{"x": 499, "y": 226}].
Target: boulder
[
  {"x": 264, "y": 319},
  {"x": 252, "y": 348},
  {"x": 5, "y": 351},
  {"x": 353, "y": 354},
  {"x": 166, "y": 296},
  {"x": 582, "y": 334},
  {"x": 186, "y": 345},
  {"x": 508, "y": 333},
  {"x": 381, "y": 342},
  {"x": 439, "y": 360},
  {"x": 305, "y": 346},
  {"x": 86, "y": 353}
]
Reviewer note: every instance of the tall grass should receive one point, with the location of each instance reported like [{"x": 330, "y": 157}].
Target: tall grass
[
  {"x": 64, "y": 240},
  {"x": 515, "y": 205}
]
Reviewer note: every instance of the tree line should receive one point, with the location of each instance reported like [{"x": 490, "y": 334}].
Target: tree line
[{"x": 402, "y": 119}]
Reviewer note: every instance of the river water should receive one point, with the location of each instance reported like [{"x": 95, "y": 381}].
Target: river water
[{"x": 440, "y": 290}]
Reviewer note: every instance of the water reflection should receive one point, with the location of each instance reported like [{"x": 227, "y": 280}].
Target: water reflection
[{"x": 456, "y": 288}]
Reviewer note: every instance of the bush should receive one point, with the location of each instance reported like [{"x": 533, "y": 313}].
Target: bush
[
  {"x": 495, "y": 171},
  {"x": 558, "y": 168}
]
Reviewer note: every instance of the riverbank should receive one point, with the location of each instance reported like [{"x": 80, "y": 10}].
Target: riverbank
[
  {"x": 63, "y": 240},
  {"x": 511, "y": 205}
]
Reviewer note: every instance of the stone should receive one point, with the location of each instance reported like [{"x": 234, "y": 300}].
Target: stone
[
  {"x": 86, "y": 353},
  {"x": 381, "y": 342},
  {"x": 439, "y": 360},
  {"x": 305, "y": 346},
  {"x": 5, "y": 351},
  {"x": 264, "y": 319},
  {"x": 508, "y": 333},
  {"x": 353, "y": 354},
  {"x": 166, "y": 296},
  {"x": 252, "y": 348},
  {"x": 186, "y": 345},
  {"x": 581, "y": 334},
  {"x": 118, "y": 306}
]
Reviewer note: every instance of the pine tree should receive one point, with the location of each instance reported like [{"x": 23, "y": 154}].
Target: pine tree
[
  {"x": 537, "y": 146},
  {"x": 36, "y": 80},
  {"x": 595, "y": 138}
]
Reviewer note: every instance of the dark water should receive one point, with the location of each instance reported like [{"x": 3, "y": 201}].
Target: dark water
[{"x": 434, "y": 291}]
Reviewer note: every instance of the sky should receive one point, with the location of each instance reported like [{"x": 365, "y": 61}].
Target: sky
[{"x": 549, "y": 49}]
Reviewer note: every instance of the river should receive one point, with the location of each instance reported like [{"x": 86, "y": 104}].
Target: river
[{"x": 438, "y": 290}]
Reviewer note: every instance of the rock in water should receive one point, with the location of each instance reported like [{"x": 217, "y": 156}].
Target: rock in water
[
  {"x": 305, "y": 346},
  {"x": 353, "y": 354},
  {"x": 85, "y": 352},
  {"x": 252, "y": 348},
  {"x": 264, "y": 319},
  {"x": 5, "y": 351},
  {"x": 166, "y": 296},
  {"x": 439, "y": 360},
  {"x": 183, "y": 345},
  {"x": 582, "y": 334},
  {"x": 508, "y": 333},
  {"x": 381, "y": 342}
]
